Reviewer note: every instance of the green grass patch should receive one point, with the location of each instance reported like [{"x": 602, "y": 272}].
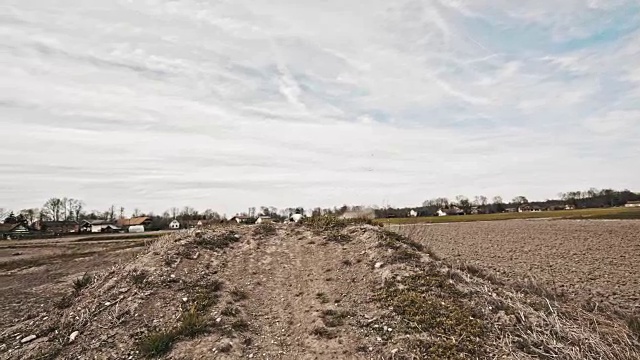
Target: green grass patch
[{"x": 593, "y": 214}]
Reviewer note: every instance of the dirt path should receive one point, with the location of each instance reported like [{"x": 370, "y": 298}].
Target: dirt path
[{"x": 289, "y": 284}]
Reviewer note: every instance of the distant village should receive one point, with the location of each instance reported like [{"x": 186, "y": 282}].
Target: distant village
[{"x": 67, "y": 217}]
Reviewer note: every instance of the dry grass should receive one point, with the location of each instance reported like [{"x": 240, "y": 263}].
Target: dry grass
[{"x": 267, "y": 229}]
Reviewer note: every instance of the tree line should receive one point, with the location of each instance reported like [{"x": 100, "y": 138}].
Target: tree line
[{"x": 70, "y": 209}]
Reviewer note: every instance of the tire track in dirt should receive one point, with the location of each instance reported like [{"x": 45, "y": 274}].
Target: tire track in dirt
[{"x": 289, "y": 283}]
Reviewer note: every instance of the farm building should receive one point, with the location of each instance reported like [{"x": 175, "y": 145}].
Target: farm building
[
  {"x": 57, "y": 227},
  {"x": 264, "y": 220},
  {"x": 135, "y": 221},
  {"x": 529, "y": 208},
  {"x": 174, "y": 225},
  {"x": 632, "y": 204},
  {"x": 451, "y": 211},
  {"x": 569, "y": 207},
  {"x": 413, "y": 213},
  {"x": 8, "y": 231},
  {"x": 98, "y": 226},
  {"x": 240, "y": 219}
]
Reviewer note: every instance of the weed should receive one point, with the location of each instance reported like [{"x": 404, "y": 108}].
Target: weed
[
  {"x": 329, "y": 223},
  {"x": 230, "y": 311},
  {"x": 157, "y": 344},
  {"x": 633, "y": 323},
  {"x": 322, "y": 297},
  {"x": 82, "y": 282},
  {"x": 217, "y": 242},
  {"x": 239, "y": 325},
  {"x": 392, "y": 240},
  {"x": 265, "y": 230},
  {"x": 192, "y": 324},
  {"x": 238, "y": 295},
  {"x": 429, "y": 302},
  {"x": 337, "y": 237},
  {"x": 64, "y": 302},
  {"x": 138, "y": 276},
  {"x": 404, "y": 256},
  {"x": 335, "y": 318},
  {"x": 323, "y": 332}
]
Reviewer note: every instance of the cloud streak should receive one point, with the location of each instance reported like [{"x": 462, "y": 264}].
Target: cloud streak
[{"x": 225, "y": 105}]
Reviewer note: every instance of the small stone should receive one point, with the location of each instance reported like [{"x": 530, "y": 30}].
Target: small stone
[
  {"x": 394, "y": 351},
  {"x": 173, "y": 276},
  {"x": 184, "y": 299},
  {"x": 379, "y": 338},
  {"x": 218, "y": 320},
  {"x": 107, "y": 303},
  {"x": 389, "y": 329},
  {"x": 378, "y": 265},
  {"x": 124, "y": 290},
  {"x": 73, "y": 336},
  {"x": 27, "y": 339},
  {"x": 250, "y": 356}
]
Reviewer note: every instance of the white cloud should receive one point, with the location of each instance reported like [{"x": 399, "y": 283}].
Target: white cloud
[{"x": 154, "y": 103}]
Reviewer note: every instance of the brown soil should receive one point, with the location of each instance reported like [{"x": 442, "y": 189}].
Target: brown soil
[
  {"x": 590, "y": 260},
  {"x": 325, "y": 290}
]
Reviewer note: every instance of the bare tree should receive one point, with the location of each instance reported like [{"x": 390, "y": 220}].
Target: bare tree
[
  {"x": 30, "y": 214},
  {"x": 121, "y": 212},
  {"x": 174, "y": 212},
  {"x": 53, "y": 208},
  {"x": 75, "y": 208},
  {"x": 136, "y": 212}
]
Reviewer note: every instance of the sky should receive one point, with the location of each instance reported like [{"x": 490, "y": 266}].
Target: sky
[{"x": 152, "y": 104}]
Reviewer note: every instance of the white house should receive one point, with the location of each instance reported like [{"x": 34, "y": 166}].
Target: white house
[
  {"x": 98, "y": 226},
  {"x": 174, "y": 225},
  {"x": 441, "y": 212},
  {"x": 413, "y": 213},
  {"x": 632, "y": 204},
  {"x": 297, "y": 217},
  {"x": 264, "y": 220}
]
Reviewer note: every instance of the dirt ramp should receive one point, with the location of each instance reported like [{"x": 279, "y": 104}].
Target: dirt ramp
[{"x": 328, "y": 289}]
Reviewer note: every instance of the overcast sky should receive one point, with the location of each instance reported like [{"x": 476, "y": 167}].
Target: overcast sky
[{"x": 230, "y": 104}]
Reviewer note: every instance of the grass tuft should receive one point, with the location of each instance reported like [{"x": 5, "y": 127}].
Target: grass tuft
[
  {"x": 138, "y": 276},
  {"x": 157, "y": 344},
  {"x": 323, "y": 332},
  {"x": 265, "y": 230},
  {"x": 238, "y": 294},
  {"x": 322, "y": 297},
  {"x": 217, "y": 242},
  {"x": 192, "y": 324},
  {"x": 82, "y": 282},
  {"x": 337, "y": 237},
  {"x": 335, "y": 318}
]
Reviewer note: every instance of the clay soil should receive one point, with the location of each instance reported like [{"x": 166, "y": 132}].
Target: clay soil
[{"x": 589, "y": 260}]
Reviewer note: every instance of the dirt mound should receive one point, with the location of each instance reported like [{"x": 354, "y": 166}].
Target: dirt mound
[{"x": 326, "y": 289}]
